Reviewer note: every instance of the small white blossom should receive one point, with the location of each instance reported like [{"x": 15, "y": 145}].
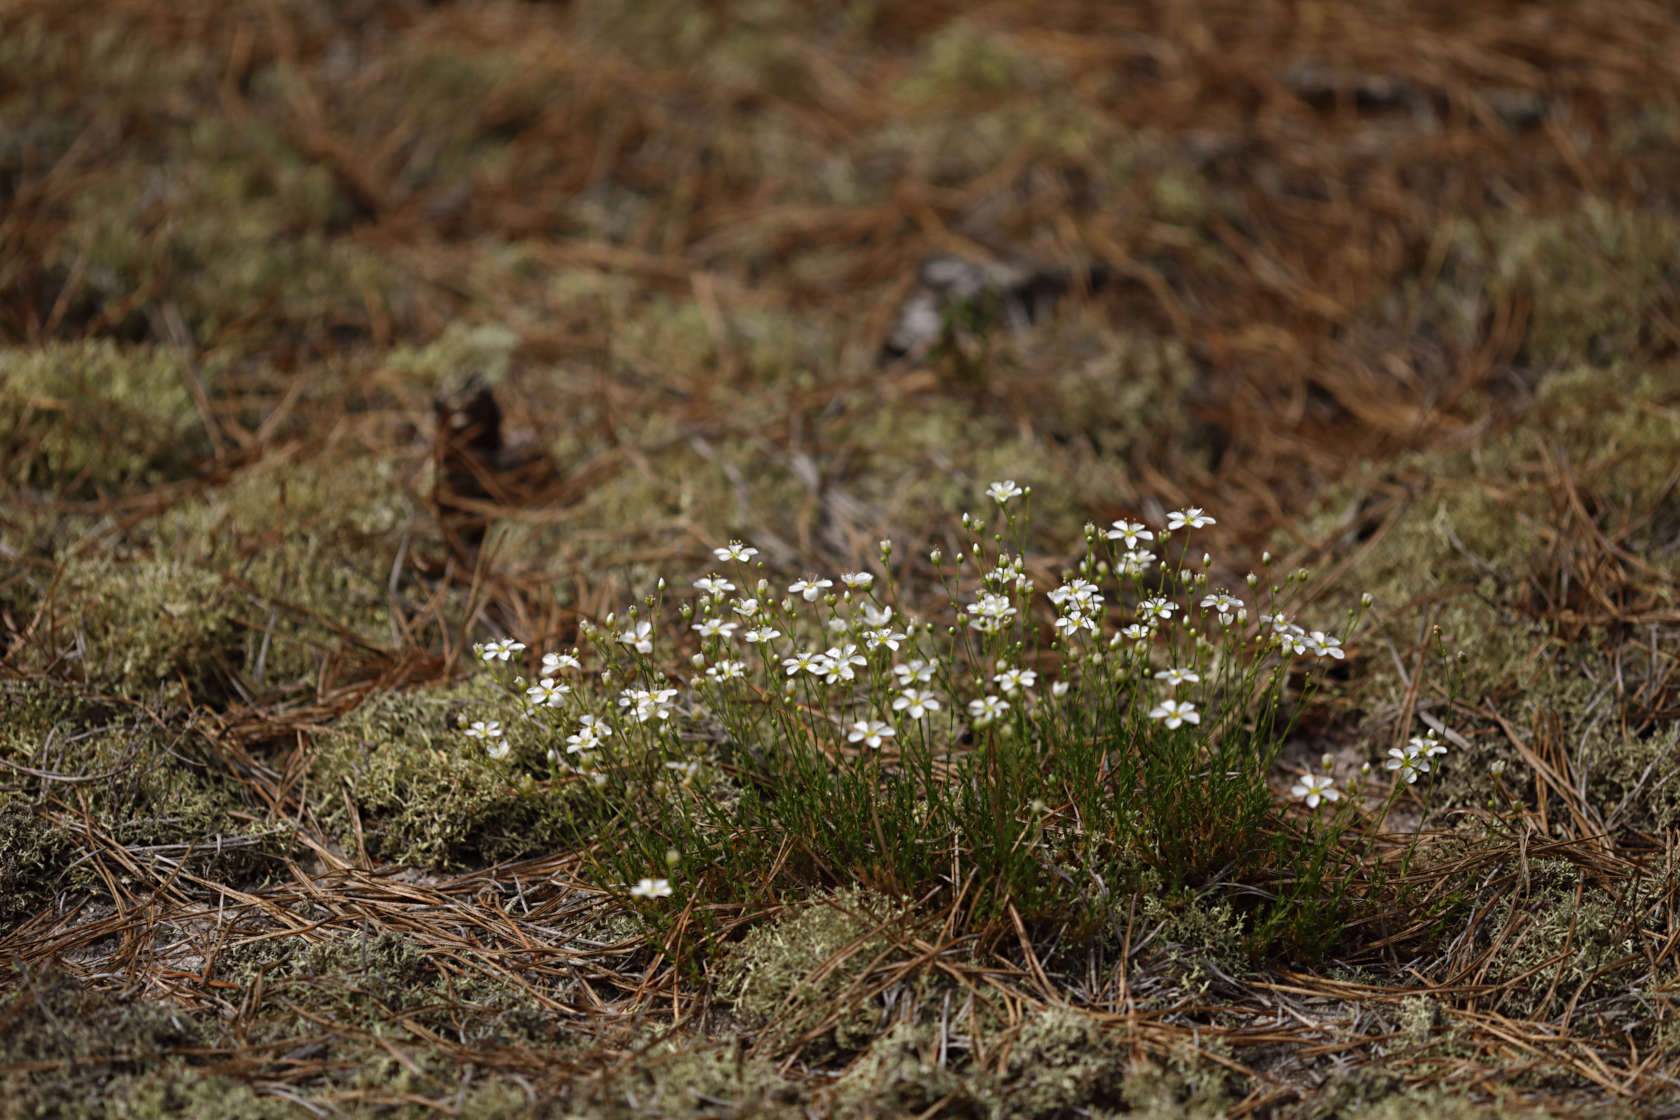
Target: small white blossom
[
  {"x": 869, "y": 732},
  {"x": 1175, "y": 677},
  {"x": 1175, "y": 713},
  {"x": 914, "y": 672},
  {"x": 714, "y": 585},
  {"x": 761, "y": 634},
  {"x": 1407, "y": 763},
  {"x": 727, "y": 670},
  {"x": 639, "y": 638},
  {"x": 746, "y": 608},
  {"x": 1011, "y": 679},
  {"x": 651, "y": 888},
  {"x": 1139, "y": 632},
  {"x": 547, "y": 693},
  {"x": 876, "y": 616},
  {"x": 1129, "y": 533},
  {"x": 1001, "y": 492},
  {"x": 552, "y": 663},
  {"x": 856, "y": 580},
  {"x": 1071, "y": 624},
  {"x": 1059, "y": 688},
  {"x": 735, "y": 550},
  {"x": 838, "y": 663},
  {"x": 916, "y": 703},
  {"x": 809, "y": 588},
  {"x": 883, "y": 636},
  {"x": 1427, "y": 746},
  {"x": 1314, "y": 788},
  {"x": 1157, "y": 607},
  {"x": 1136, "y": 561},
  {"x": 499, "y": 650},
  {"x": 497, "y": 749},
  {"x": 986, "y": 709},
  {"x": 1228, "y": 607},
  {"x": 483, "y": 729},
  {"x": 989, "y": 613},
  {"x": 1193, "y": 517},
  {"x": 715, "y": 628},
  {"x": 804, "y": 661},
  {"x": 1323, "y": 645}
]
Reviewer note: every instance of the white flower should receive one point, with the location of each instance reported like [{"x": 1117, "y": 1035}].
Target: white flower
[
  {"x": 1011, "y": 679},
  {"x": 715, "y": 628},
  {"x": 1175, "y": 677},
  {"x": 1157, "y": 607},
  {"x": 805, "y": 660},
  {"x": 1175, "y": 713},
  {"x": 1136, "y": 561},
  {"x": 1138, "y": 632},
  {"x": 1293, "y": 639},
  {"x": 876, "y": 616},
  {"x": 497, "y": 749},
  {"x": 1323, "y": 645},
  {"x": 1081, "y": 594},
  {"x": 735, "y": 551},
  {"x": 595, "y": 726},
  {"x": 1001, "y": 492},
  {"x": 1277, "y": 620},
  {"x": 1193, "y": 517},
  {"x": 686, "y": 769},
  {"x": 986, "y": 709},
  {"x": 1129, "y": 532},
  {"x": 640, "y": 638},
  {"x": 714, "y": 585},
  {"x": 1059, "y": 688},
  {"x": 883, "y": 636},
  {"x": 746, "y": 608},
  {"x": 554, "y": 662},
  {"x": 761, "y": 634},
  {"x": 1315, "y": 788},
  {"x": 870, "y": 732},
  {"x": 1070, "y": 624},
  {"x": 727, "y": 670},
  {"x": 1409, "y": 764},
  {"x": 1426, "y": 746},
  {"x": 856, "y": 579},
  {"x": 916, "y": 671},
  {"x": 651, "y": 888},
  {"x": 501, "y": 650},
  {"x": 989, "y": 612},
  {"x": 837, "y": 663},
  {"x": 584, "y": 740},
  {"x": 481, "y": 729},
  {"x": 1227, "y": 606},
  {"x": 547, "y": 692},
  {"x": 809, "y": 588},
  {"x": 648, "y": 704},
  {"x": 916, "y": 703}
]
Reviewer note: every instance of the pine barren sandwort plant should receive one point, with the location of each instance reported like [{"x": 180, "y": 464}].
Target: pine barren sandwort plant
[{"x": 1042, "y": 761}]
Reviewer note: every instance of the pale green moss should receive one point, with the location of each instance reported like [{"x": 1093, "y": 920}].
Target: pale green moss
[
  {"x": 1593, "y": 275},
  {"x": 428, "y": 795},
  {"x": 84, "y": 418},
  {"x": 786, "y": 974}
]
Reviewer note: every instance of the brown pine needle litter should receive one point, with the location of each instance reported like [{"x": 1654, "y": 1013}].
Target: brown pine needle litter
[{"x": 343, "y": 346}]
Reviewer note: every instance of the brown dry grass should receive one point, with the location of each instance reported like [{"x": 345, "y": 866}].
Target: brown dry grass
[{"x": 693, "y": 226}]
